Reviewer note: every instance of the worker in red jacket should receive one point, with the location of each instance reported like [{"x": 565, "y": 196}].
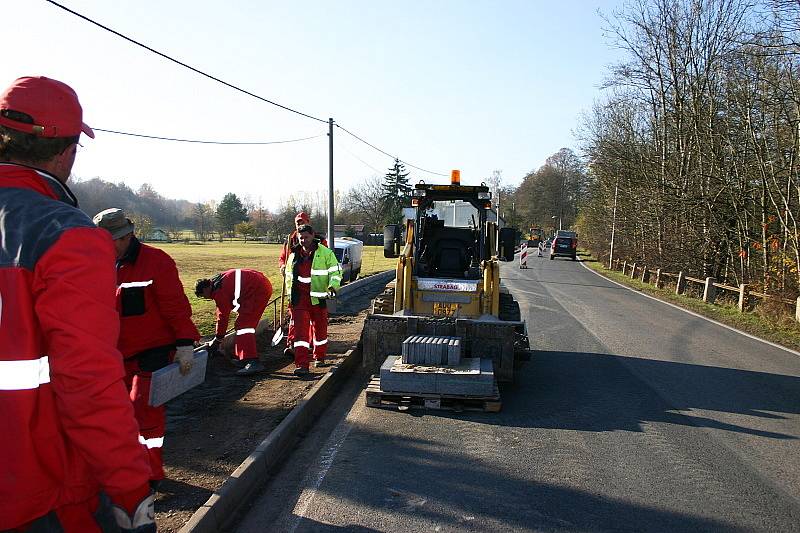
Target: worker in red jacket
[
  {"x": 70, "y": 457},
  {"x": 301, "y": 219},
  {"x": 245, "y": 292},
  {"x": 155, "y": 326}
]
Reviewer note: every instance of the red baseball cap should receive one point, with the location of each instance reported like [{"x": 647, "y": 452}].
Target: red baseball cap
[
  {"x": 302, "y": 215},
  {"x": 53, "y": 105}
]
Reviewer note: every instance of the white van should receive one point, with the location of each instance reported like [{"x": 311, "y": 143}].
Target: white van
[{"x": 348, "y": 252}]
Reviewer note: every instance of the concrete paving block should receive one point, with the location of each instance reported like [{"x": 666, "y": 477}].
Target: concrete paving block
[
  {"x": 397, "y": 377},
  {"x": 453, "y": 355},
  {"x": 476, "y": 378}
]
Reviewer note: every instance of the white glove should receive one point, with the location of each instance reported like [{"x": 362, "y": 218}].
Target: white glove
[
  {"x": 141, "y": 521},
  {"x": 184, "y": 356}
]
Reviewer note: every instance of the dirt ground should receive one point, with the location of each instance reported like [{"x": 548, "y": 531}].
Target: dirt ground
[{"x": 214, "y": 427}]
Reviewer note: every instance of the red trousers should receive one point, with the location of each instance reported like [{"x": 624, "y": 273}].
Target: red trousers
[
  {"x": 303, "y": 319},
  {"x": 152, "y": 420},
  {"x": 245, "y": 325}
]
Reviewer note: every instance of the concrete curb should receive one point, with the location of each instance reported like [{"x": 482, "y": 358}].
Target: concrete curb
[{"x": 222, "y": 506}]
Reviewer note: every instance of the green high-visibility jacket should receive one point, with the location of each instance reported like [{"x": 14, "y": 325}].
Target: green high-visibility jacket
[{"x": 325, "y": 273}]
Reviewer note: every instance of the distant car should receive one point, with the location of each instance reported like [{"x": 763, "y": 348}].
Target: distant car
[{"x": 564, "y": 246}]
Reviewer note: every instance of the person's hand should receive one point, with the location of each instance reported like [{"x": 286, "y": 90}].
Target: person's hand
[
  {"x": 184, "y": 356},
  {"x": 331, "y": 293},
  {"x": 283, "y": 270},
  {"x": 139, "y": 518},
  {"x": 213, "y": 347}
]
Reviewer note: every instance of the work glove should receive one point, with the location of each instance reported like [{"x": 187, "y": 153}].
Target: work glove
[
  {"x": 140, "y": 518},
  {"x": 184, "y": 356},
  {"x": 331, "y": 293}
]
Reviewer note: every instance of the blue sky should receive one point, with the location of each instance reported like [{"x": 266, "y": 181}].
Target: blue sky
[{"x": 444, "y": 84}]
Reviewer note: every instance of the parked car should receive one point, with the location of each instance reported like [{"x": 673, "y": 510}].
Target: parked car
[
  {"x": 565, "y": 246},
  {"x": 348, "y": 252}
]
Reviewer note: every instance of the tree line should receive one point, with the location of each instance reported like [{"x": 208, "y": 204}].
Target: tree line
[
  {"x": 694, "y": 154},
  {"x": 372, "y": 202}
]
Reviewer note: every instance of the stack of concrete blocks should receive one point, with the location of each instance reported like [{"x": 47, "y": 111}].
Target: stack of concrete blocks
[{"x": 431, "y": 350}]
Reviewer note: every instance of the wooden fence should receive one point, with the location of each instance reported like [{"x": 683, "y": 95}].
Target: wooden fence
[{"x": 709, "y": 285}]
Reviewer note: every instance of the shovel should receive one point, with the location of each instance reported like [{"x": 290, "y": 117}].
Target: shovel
[{"x": 278, "y": 337}]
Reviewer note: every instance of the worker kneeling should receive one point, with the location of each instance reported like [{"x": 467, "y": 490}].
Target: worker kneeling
[
  {"x": 313, "y": 275},
  {"x": 245, "y": 292}
]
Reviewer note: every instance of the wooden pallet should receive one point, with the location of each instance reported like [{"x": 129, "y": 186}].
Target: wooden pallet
[{"x": 420, "y": 400}]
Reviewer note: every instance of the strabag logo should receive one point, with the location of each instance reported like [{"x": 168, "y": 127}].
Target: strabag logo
[{"x": 447, "y": 285}]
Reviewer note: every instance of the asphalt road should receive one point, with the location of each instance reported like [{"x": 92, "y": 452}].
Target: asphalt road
[{"x": 631, "y": 416}]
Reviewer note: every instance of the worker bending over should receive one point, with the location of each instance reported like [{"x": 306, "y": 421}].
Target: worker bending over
[
  {"x": 245, "y": 292},
  {"x": 312, "y": 276},
  {"x": 155, "y": 325}
]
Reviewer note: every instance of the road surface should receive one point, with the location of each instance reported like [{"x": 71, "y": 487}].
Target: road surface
[{"x": 632, "y": 415}]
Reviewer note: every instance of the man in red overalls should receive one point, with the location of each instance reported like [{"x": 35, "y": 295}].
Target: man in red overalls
[
  {"x": 302, "y": 218},
  {"x": 247, "y": 293},
  {"x": 155, "y": 325}
]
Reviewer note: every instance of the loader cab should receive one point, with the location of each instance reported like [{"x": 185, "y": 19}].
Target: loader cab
[{"x": 450, "y": 230}]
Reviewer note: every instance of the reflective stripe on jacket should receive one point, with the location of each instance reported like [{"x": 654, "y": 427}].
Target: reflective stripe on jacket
[
  {"x": 325, "y": 273},
  {"x": 67, "y": 421},
  {"x": 239, "y": 290},
  {"x": 153, "y": 307}
]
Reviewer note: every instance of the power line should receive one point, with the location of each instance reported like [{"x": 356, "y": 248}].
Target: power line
[
  {"x": 340, "y": 145},
  {"x": 209, "y": 142},
  {"x": 388, "y": 154},
  {"x": 198, "y": 71}
]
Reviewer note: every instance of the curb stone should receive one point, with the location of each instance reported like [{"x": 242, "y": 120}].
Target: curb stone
[{"x": 224, "y": 503}]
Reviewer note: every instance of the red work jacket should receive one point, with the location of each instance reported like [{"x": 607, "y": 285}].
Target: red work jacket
[
  {"x": 153, "y": 308},
  {"x": 245, "y": 292},
  {"x": 67, "y": 428}
]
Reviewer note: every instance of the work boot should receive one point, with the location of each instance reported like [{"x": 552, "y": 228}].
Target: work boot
[
  {"x": 238, "y": 363},
  {"x": 253, "y": 366},
  {"x": 301, "y": 371},
  {"x": 319, "y": 363}
]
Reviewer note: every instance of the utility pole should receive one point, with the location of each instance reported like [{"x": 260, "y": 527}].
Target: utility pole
[
  {"x": 330, "y": 183},
  {"x": 613, "y": 224}
]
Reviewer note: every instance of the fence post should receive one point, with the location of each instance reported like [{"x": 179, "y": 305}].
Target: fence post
[
  {"x": 744, "y": 292},
  {"x": 633, "y": 271},
  {"x": 710, "y": 291},
  {"x": 645, "y": 275},
  {"x": 658, "y": 278},
  {"x": 624, "y": 267},
  {"x": 681, "y": 285}
]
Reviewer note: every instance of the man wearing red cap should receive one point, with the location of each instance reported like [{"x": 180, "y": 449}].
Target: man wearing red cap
[
  {"x": 70, "y": 440},
  {"x": 301, "y": 219}
]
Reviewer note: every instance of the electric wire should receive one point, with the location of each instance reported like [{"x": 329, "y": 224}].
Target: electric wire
[
  {"x": 234, "y": 87},
  {"x": 193, "y": 69},
  {"x": 258, "y": 143},
  {"x": 387, "y": 153},
  {"x": 340, "y": 145}
]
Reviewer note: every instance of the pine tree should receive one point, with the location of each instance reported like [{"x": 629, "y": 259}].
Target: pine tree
[
  {"x": 396, "y": 192},
  {"x": 230, "y": 212}
]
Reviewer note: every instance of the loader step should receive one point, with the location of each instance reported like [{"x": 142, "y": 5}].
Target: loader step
[{"x": 403, "y": 401}]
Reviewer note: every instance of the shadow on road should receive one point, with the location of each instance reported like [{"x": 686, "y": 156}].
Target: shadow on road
[
  {"x": 602, "y": 392},
  {"x": 442, "y": 488}
]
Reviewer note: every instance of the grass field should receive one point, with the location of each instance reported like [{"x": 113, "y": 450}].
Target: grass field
[{"x": 205, "y": 260}]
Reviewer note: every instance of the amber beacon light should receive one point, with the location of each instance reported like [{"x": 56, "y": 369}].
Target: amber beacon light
[{"x": 455, "y": 177}]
